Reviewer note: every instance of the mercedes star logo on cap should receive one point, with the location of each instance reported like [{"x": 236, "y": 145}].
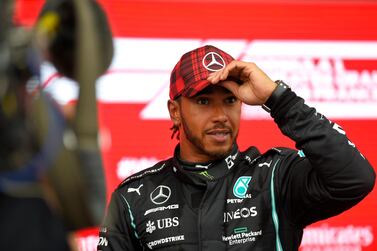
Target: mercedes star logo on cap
[{"x": 212, "y": 61}]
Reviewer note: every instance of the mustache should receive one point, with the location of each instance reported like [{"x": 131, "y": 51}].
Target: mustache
[{"x": 219, "y": 126}]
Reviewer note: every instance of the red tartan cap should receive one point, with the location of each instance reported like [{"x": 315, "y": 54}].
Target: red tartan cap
[{"x": 190, "y": 74}]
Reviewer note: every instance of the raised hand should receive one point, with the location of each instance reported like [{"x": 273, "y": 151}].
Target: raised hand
[{"x": 251, "y": 85}]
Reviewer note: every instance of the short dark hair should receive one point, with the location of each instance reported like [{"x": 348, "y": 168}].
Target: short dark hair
[
  {"x": 175, "y": 132},
  {"x": 175, "y": 128}
]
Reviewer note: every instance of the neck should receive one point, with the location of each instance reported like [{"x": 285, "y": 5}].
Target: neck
[{"x": 190, "y": 153}]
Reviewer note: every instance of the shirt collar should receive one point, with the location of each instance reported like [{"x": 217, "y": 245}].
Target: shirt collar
[{"x": 200, "y": 173}]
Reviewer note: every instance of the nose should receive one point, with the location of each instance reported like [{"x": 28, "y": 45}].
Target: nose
[{"x": 219, "y": 114}]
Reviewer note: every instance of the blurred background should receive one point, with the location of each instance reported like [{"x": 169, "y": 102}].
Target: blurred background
[{"x": 326, "y": 50}]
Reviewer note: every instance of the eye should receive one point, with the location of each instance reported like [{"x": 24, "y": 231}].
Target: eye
[
  {"x": 231, "y": 100},
  {"x": 202, "y": 101}
]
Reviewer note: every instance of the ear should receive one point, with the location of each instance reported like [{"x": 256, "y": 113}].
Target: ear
[{"x": 174, "y": 111}]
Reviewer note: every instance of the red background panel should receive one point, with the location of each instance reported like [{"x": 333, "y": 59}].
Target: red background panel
[{"x": 226, "y": 19}]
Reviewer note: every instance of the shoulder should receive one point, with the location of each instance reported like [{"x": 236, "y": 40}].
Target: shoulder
[
  {"x": 278, "y": 156},
  {"x": 283, "y": 159},
  {"x": 281, "y": 152},
  {"x": 157, "y": 169},
  {"x": 253, "y": 156}
]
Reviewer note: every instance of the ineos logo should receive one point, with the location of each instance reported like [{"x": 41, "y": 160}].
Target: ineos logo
[
  {"x": 212, "y": 61},
  {"x": 160, "y": 194}
]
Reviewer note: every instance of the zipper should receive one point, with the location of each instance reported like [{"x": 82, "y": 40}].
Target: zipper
[{"x": 200, "y": 217}]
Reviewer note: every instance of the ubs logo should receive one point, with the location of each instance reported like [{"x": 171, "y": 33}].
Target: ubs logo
[
  {"x": 162, "y": 224},
  {"x": 160, "y": 194}
]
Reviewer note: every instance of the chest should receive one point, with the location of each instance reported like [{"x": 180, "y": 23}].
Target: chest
[{"x": 231, "y": 212}]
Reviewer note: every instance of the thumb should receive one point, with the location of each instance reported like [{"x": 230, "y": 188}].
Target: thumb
[
  {"x": 232, "y": 86},
  {"x": 243, "y": 92}
]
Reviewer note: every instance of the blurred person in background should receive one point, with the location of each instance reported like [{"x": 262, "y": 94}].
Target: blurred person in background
[
  {"x": 51, "y": 175},
  {"x": 212, "y": 196}
]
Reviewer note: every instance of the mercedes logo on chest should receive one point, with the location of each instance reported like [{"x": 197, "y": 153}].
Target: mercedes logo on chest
[
  {"x": 212, "y": 61},
  {"x": 160, "y": 194}
]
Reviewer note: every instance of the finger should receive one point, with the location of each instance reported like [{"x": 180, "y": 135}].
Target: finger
[
  {"x": 224, "y": 73},
  {"x": 213, "y": 78},
  {"x": 236, "y": 69}
]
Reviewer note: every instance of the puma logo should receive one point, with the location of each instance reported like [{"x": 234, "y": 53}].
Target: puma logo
[
  {"x": 268, "y": 164},
  {"x": 137, "y": 190}
]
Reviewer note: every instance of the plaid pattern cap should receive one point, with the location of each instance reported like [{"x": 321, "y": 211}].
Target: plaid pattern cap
[{"x": 190, "y": 74}]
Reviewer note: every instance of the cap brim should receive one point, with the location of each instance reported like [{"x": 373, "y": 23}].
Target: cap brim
[{"x": 196, "y": 88}]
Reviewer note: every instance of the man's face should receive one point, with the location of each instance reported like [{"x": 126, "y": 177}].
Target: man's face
[{"x": 209, "y": 124}]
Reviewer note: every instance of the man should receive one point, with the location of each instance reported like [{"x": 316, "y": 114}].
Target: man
[{"x": 211, "y": 196}]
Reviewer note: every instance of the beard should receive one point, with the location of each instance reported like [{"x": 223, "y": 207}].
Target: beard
[{"x": 199, "y": 144}]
